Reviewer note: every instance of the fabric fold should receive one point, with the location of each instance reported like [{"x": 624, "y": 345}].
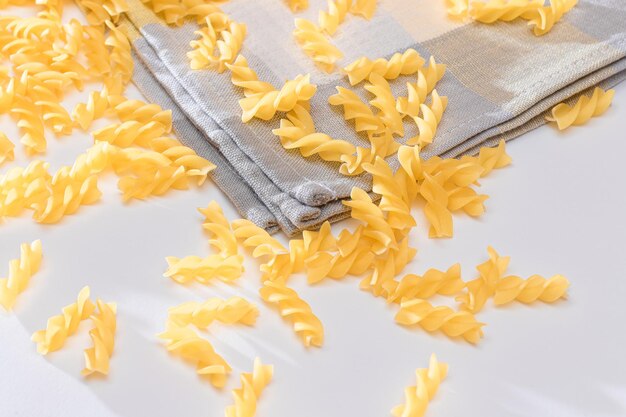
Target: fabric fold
[{"x": 500, "y": 82}]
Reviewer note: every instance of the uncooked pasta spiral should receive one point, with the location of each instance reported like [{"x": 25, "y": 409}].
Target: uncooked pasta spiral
[
  {"x": 427, "y": 79},
  {"x": 120, "y": 54},
  {"x": 385, "y": 102},
  {"x": 218, "y": 227},
  {"x": 20, "y": 272},
  {"x": 96, "y": 52},
  {"x": 452, "y": 323},
  {"x": 436, "y": 208},
  {"x": 244, "y": 77},
  {"x": 230, "y": 43},
  {"x": 395, "y": 201},
  {"x": 529, "y": 290},
  {"x": 140, "y": 111},
  {"x": 265, "y": 105},
  {"x": 103, "y": 337},
  {"x": 493, "y": 158},
  {"x": 418, "y": 396},
  {"x": 6, "y": 149},
  {"x": 429, "y": 121},
  {"x": 405, "y": 63},
  {"x": 201, "y": 315},
  {"x": 204, "y": 270},
  {"x": 353, "y": 257},
  {"x": 293, "y": 308},
  {"x": 130, "y": 133},
  {"x": 376, "y": 226},
  {"x": 316, "y": 44},
  {"x": 185, "y": 342},
  {"x": 30, "y": 123},
  {"x": 457, "y": 8},
  {"x": 387, "y": 266},
  {"x": 494, "y": 10},
  {"x": 100, "y": 11},
  {"x": 21, "y": 188},
  {"x": 252, "y": 236},
  {"x": 156, "y": 182},
  {"x": 60, "y": 327},
  {"x": 585, "y": 108},
  {"x": 183, "y": 156},
  {"x": 297, "y": 131},
  {"x": 432, "y": 282},
  {"x": 172, "y": 11},
  {"x": 479, "y": 290},
  {"x": 297, "y": 5},
  {"x": 336, "y": 14},
  {"x": 544, "y": 18},
  {"x": 252, "y": 385},
  {"x": 85, "y": 113},
  {"x": 355, "y": 109},
  {"x": 365, "y": 8},
  {"x": 67, "y": 194}
]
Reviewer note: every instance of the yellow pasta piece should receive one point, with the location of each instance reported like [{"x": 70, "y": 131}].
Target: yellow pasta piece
[
  {"x": 493, "y": 158},
  {"x": 330, "y": 20},
  {"x": 395, "y": 202},
  {"x": 184, "y": 342},
  {"x": 120, "y": 56},
  {"x": 433, "y": 282},
  {"x": 103, "y": 336},
  {"x": 67, "y": 194},
  {"x": 405, "y": 63},
  {"x": 252, "y": 236},
  {"x": 481, "y": 289},
  {"x": 100, "y": 11},
  {"x": 297, "y": 131},
  {"x": 20, "y": 188},
  {"x": 139, "y": 111},
  {"x": 452, "y": 323},
  {"x": 387, "y": 266},
  {"x": 418, "y": 396},
  {"x": 85, "y": 113},
  {"x": 544, "y": 18},
  {"x": 385, "y": 102},
  {"x": 293, "y": 308},
  {"x": 316, "y": 44},
  {"x": 6, "y": 149},
  {"x": 585, "y": 108},
  {"x": 261, "y": 99},
  {"x": 377, "y": 228},
  {"x": 429, "y": 121},
  {"x": 252, "y": 385},
  {"x": 357, "y": 110},
  {"x": 20, "y": 272},
  {"x": 298, "y": 5},
  {"x": 201, "y": 315},
  {"x": 30, "y": 123},
  {"x": 60, "y": 327},
  {"x": 532, "y": 289},
  {"x": 204, "y": 270},
  {"x": 436, "y": 208},
  {"x": 365, "y": 8},
  {"x": 457, "y": 8},
  {"x": 504, "y": 10},
  {"x": 218, "y": 227},
  {"x": 228, "y": 45}
]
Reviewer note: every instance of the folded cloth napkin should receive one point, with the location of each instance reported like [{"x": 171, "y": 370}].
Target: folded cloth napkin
[{"x": 500, "y": 81}]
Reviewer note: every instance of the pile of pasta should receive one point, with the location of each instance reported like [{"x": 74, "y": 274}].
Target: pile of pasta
[
  {"x": 541, "y": 17},
  {"x": 47, "y": 59}
]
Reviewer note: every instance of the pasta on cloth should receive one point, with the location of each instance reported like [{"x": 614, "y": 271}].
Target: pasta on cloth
[{"x": 501, "y": 80}]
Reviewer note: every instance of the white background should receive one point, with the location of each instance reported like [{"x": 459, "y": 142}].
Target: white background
[{"x": 558, "y": 209}]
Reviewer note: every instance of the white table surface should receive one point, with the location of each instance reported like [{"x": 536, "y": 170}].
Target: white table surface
[{"x": 558, "y": 209}]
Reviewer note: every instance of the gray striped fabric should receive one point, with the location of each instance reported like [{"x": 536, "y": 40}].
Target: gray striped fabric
[{"x": 501, "y": 80}]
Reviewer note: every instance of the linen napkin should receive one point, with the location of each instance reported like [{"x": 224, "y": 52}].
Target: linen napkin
[{"x": 500, "y": 82}]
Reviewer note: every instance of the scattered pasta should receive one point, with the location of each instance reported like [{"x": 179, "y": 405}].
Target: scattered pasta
[
  {"x": 418, "y": 396},
  {"x": 296, "y": 310},
  {"x": 60, "y": 327},
  {"x": 201, "y": 315},
  {"x": 184, "y": 342},
  {"x": 252, "y": 385},
  {"x": 585, "y": 108},
  {"x": 20, "y": 272},
  {"x": 103, "y": 337}
]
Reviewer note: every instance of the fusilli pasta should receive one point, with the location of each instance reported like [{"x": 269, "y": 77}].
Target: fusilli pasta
[
  {"x": 252, "y": 385},
  {"x": 585, "y": 108},
  {"x": 103, "y": 336},
  {"x": 418, "y": 396},
  {"x": 201, "y": 315},
  {"x": 20, "y": 272}
]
